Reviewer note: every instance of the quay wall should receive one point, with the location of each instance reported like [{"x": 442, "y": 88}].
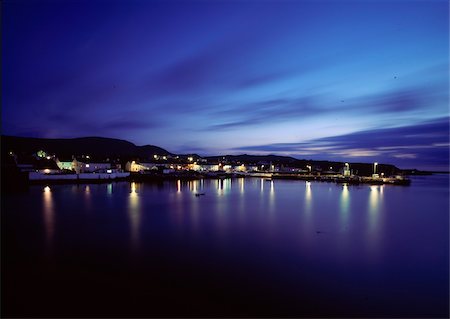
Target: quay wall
[{"x": 35, "y": 176}]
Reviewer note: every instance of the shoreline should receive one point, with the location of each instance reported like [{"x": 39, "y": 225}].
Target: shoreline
[{"x": 133, "y": 177}]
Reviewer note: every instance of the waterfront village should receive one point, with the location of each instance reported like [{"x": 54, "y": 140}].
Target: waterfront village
[{"x": 43, "y": 167}]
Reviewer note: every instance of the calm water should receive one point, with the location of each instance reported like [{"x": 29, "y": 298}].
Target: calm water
[{"x": 248, "y": 247}]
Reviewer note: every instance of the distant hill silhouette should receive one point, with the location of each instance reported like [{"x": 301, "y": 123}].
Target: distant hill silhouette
[
  {"x": 95, "y": 147},
  {"x": 255, "y": 158}
]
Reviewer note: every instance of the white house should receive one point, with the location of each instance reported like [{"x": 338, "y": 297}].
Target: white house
[{"x": 81, "y": 167}]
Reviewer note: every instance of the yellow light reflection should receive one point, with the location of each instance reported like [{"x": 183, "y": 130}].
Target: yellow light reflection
[
  {"x": 195, "y": 185},
  {"x": 374, "y": 215},
  {"x": 134, "y": 215},
  {"x": 178, "y": 186},
  {"x": 49, "y": 215},
  {"x": 241, "y": 185},
  {"x": 87, "y": 190}
]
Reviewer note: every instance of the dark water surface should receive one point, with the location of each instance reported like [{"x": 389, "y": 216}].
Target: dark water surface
[{"x": 248, "y": 247}]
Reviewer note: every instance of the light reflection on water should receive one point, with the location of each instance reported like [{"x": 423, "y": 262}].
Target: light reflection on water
[
  {"x": 87, "y": 198},
  {"x": 109, "y": 189},
  {"x": 301, "y": 235},
  {"x": 234, "y": 203},
  {"x": 307, "y": 215},
  {"x": 344, "y": 206},
  {"x": 223, "y": 186},
  {"x": 241, "y": 185},
  {"x": 49, "y": 216},
  {"x": 134, "y": 214},
  {"x": 308, "y": 198},
  {"x": 242, "y": 208},
  {"x": 375, "y": 211},
  {"x": 272, "y": 202}
]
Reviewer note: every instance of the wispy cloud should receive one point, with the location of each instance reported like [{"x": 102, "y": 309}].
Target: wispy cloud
[
  {"x": 430, "y": 145},
  {"x": 306, "y": 106}
]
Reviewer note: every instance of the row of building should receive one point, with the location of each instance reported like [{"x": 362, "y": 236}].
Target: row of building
[{"x": 51, "y": 164}]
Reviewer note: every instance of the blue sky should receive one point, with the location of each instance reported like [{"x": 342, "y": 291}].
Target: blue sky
[{"x": 340, "y": 80}]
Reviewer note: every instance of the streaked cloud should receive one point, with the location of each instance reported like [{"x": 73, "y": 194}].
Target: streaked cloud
[{"x": 429, "y": 144}]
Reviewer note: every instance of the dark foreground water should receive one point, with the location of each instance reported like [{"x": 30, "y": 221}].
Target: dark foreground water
[{"x": 248, "y": 247}]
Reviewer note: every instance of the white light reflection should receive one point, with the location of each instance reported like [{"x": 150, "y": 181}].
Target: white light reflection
[
  {"x": 306, "y": 220},
  {"x": 344, "y": 206},
  {"x": 374, "y": 199},
  {"x": 308, "y": 190},
  {"x": 374, "y": 214},
  {"x": 227, "y": 185},
  {"x": 220, "y": 186},
  {"x": 272, "y": 195},
  {"x": 262, "y": 185},
  {"x": 242, "y": 210},
  {"x": 223, "y": 186},
  {"x": 178, "y": 186},
  {"x": 134, "y": 215},
  {"x": 308, "y": 198},
  {"x": 49, "y": 216}
]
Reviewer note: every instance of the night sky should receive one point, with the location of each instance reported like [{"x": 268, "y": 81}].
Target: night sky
[{"x": 352, "y": 81}]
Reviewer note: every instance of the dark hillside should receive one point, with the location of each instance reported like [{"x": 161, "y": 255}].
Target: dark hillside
[{"x": 96, "y": 147}]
